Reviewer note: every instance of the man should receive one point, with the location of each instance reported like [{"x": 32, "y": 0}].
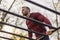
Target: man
[{"x": 35, "y": 26}]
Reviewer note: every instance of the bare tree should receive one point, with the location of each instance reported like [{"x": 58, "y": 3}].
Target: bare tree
[
  {"x": 55, "y": 7},
  {"x": 15, "y": 29},
  {"x": 15, "y": 37},
  {"x": 5, "y": 14}
]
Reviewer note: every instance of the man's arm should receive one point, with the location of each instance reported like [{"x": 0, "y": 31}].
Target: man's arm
[{"x": 46, "y": 20}]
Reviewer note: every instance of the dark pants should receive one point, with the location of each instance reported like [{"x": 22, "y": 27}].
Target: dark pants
[
  {"x": 45, "y": 38},
  {"x": 37, "y": 36}
]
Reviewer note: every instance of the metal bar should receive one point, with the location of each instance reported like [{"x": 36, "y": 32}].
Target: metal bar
[
  {"x": 16, "y": 35},
  {"x": 39, "y": 5},
  {"x": 5, "y": 38},
  {"x": 56, "y": 29},
  {"x": 23, "y": 29}
]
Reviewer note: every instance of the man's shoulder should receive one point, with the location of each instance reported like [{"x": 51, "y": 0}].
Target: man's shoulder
[{"x": 35, "y": 13}]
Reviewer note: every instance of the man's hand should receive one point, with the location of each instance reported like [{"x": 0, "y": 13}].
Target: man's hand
[{"x": 48, "y": 32}]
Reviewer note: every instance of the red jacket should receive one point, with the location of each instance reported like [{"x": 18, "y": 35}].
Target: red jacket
[{"x": 35, "y": 26}]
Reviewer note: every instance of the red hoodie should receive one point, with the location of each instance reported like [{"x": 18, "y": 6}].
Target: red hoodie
[{"x": 35, "y": 26}]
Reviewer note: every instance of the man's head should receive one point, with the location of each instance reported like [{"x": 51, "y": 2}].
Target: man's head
[{"x": 25, "y": 10}]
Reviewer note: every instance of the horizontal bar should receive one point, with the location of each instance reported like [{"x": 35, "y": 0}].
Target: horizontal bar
[
  {"x": 5, "y": 38},
  {"x": 55, "y": 29},
  {"x": 39, "y": 5},
  {"x": 23, "y": 28},
  {"x": 16, "y": 35}
]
